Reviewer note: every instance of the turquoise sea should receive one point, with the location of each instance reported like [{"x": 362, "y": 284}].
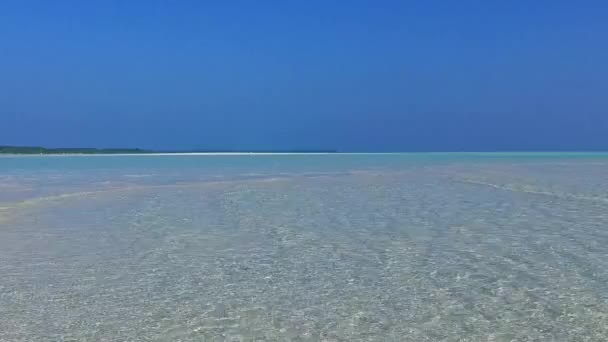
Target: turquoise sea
[{"x": 327, "y": 247}]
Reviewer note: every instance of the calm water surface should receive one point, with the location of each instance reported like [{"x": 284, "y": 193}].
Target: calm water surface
[{"x": 404, "y": 247}]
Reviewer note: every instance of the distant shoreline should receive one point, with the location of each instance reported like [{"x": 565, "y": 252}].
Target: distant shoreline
[
  {"x": 35, "y": 150},
  {"x": 228, "y": 154},
  {"x": 58, "y": 152},
  {"x": 167, "y": 154}
]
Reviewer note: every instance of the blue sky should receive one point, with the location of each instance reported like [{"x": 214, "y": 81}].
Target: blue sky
[{"x": 348, "y": 75}]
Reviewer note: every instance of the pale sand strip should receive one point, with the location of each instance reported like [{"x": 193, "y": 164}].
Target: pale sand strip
[{"x": 524, "y": 188}]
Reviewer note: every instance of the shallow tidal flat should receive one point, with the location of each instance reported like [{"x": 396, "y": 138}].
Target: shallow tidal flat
[{"x": 455, "y": 251}]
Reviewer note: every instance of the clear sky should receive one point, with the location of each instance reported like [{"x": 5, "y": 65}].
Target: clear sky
[{"x": 348, "y": 75}]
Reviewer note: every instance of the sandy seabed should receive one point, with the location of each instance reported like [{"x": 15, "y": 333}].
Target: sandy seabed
[{"x": 508, "y": 251}]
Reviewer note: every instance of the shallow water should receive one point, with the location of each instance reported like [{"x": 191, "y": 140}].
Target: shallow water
[{"x": 448, "y": 247}]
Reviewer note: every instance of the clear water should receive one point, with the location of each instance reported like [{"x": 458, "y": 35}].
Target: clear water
[{"x": 404, "y": 247}]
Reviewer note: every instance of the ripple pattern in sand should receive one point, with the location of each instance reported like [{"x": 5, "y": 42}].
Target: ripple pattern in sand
[{"x": 401, "y": 256}]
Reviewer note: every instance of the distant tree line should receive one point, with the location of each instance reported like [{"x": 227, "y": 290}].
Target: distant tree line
[
  {"x": 72, "y": 150},
  {"x": 44, "y": 150}
]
